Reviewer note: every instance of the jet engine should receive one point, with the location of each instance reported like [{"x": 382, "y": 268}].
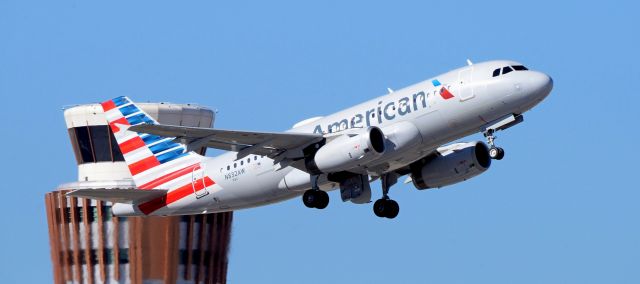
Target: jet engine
[
  {"x": 451, "y": 164},
  {"x": 347, "y": 151}
]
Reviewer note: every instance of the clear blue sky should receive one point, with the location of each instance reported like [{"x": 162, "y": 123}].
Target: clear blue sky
[{"x": 562, "y": 207}]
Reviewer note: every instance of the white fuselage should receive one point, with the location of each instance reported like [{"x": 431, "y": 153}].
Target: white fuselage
[{"x": 478, "y": 99}]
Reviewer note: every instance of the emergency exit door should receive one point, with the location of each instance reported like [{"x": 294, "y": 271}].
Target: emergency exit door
[{"x": 198, "y": 181}]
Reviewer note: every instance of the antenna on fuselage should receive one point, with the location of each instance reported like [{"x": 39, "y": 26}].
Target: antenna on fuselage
[
  {"x": 469, "y": 62},
  {"x": 389, "y": 90}
]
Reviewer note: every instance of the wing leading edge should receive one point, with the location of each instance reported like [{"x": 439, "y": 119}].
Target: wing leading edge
[{"x": 244, "y": 142}]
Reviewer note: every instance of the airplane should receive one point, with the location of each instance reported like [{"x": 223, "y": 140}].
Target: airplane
[{"x": 407, "y": 132}]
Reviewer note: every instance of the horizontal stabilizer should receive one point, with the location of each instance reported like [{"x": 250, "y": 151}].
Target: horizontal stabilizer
[{"x": 118, "y": 195}]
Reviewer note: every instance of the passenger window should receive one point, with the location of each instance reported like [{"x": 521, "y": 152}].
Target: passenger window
[
  {"x": 519, "y": 68},
  {"x": 242, "y": 162},
  {"x": 506, "y": 70},
  {"x": 496, "y": 72},
  {"x": 235, "y": 165},
  {"x": 248, "y": 160},
  {"x": 228, "y": 168},
  {"x": 255, "y": 158}
]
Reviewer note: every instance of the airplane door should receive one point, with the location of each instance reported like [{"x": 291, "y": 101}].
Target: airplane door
[
  {"x": 197, "y": 181},
  {"x": 464, "y": 81}
]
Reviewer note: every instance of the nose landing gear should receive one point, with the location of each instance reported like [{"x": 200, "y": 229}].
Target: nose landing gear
[
  {"x": 503, "y": 123},
  {"x": 495, "y": 153}
]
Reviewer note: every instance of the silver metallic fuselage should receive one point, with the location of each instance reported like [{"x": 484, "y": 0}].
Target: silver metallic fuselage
[{"x": 479, "y": 98}]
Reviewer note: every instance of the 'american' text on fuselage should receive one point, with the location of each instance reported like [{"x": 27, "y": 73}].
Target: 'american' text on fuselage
[{"x": 386, "y": 111}]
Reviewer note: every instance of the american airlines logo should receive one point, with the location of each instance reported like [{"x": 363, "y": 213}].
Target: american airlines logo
[{"x": 385, "y": 111}]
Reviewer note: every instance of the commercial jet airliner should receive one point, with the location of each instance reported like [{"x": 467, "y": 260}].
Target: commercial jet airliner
[{"x": 408, "y": 132}]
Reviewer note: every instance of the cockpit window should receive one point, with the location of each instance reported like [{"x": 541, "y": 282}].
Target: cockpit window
[{"x": 508, "y": 69}]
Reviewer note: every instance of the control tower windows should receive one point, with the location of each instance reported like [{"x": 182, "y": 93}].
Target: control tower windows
[
  {"x": 100, "y": 143},
  {"x": 95, "y": 143},
  {"x": 84, "y": 144}
]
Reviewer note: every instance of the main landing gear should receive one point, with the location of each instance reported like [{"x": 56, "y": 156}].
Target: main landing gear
[
  {"x": 495, "y": 153},
  {"x": 386, "y": 207},
  {"x": 314, "y": 197}
]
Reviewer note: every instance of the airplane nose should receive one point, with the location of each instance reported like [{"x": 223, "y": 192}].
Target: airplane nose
[{"x": 541, "y": 84}]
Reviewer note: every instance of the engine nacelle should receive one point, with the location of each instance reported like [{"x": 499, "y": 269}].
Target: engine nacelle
[
  {"x": 453, "y": 163},
  {"x": 347, "y": 151}
]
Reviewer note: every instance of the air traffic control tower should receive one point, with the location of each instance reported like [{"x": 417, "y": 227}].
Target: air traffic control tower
[{"x": 89, "y": 245}]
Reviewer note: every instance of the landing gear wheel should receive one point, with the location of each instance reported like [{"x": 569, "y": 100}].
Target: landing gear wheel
[
  {"x": 392, "y": 209},
  {"x": 493, "y": 152},
  {"x": 378, "y": 207},
  {"x": 323, "y": 199},
  {"x": 315, "y": 199},
  {"x": 386, "y": 208},
  {"x": 496, "y": 153},
  {"x": 309, "y": 198}
]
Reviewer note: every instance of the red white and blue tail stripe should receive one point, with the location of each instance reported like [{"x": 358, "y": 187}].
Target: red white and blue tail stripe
[{"x": 154, "y": 162}]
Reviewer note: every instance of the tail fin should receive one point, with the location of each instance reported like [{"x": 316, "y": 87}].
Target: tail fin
[{"x": 154, "y": 161}]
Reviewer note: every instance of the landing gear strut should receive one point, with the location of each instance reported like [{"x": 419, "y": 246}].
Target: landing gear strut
[
  {"x": 314, "y": 197},
  {"x": 495, "y": 153},
  {"x": 385, "y": 206}
]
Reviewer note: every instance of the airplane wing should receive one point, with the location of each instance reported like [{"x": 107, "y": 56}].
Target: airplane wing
[
  {"x": 129, "y": 195},
  {"x": 245, "y": 142}
]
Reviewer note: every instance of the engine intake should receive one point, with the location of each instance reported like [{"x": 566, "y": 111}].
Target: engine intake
[
  {"x": 452, "y": 164},
  {"x": 347, "y": 151}
]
